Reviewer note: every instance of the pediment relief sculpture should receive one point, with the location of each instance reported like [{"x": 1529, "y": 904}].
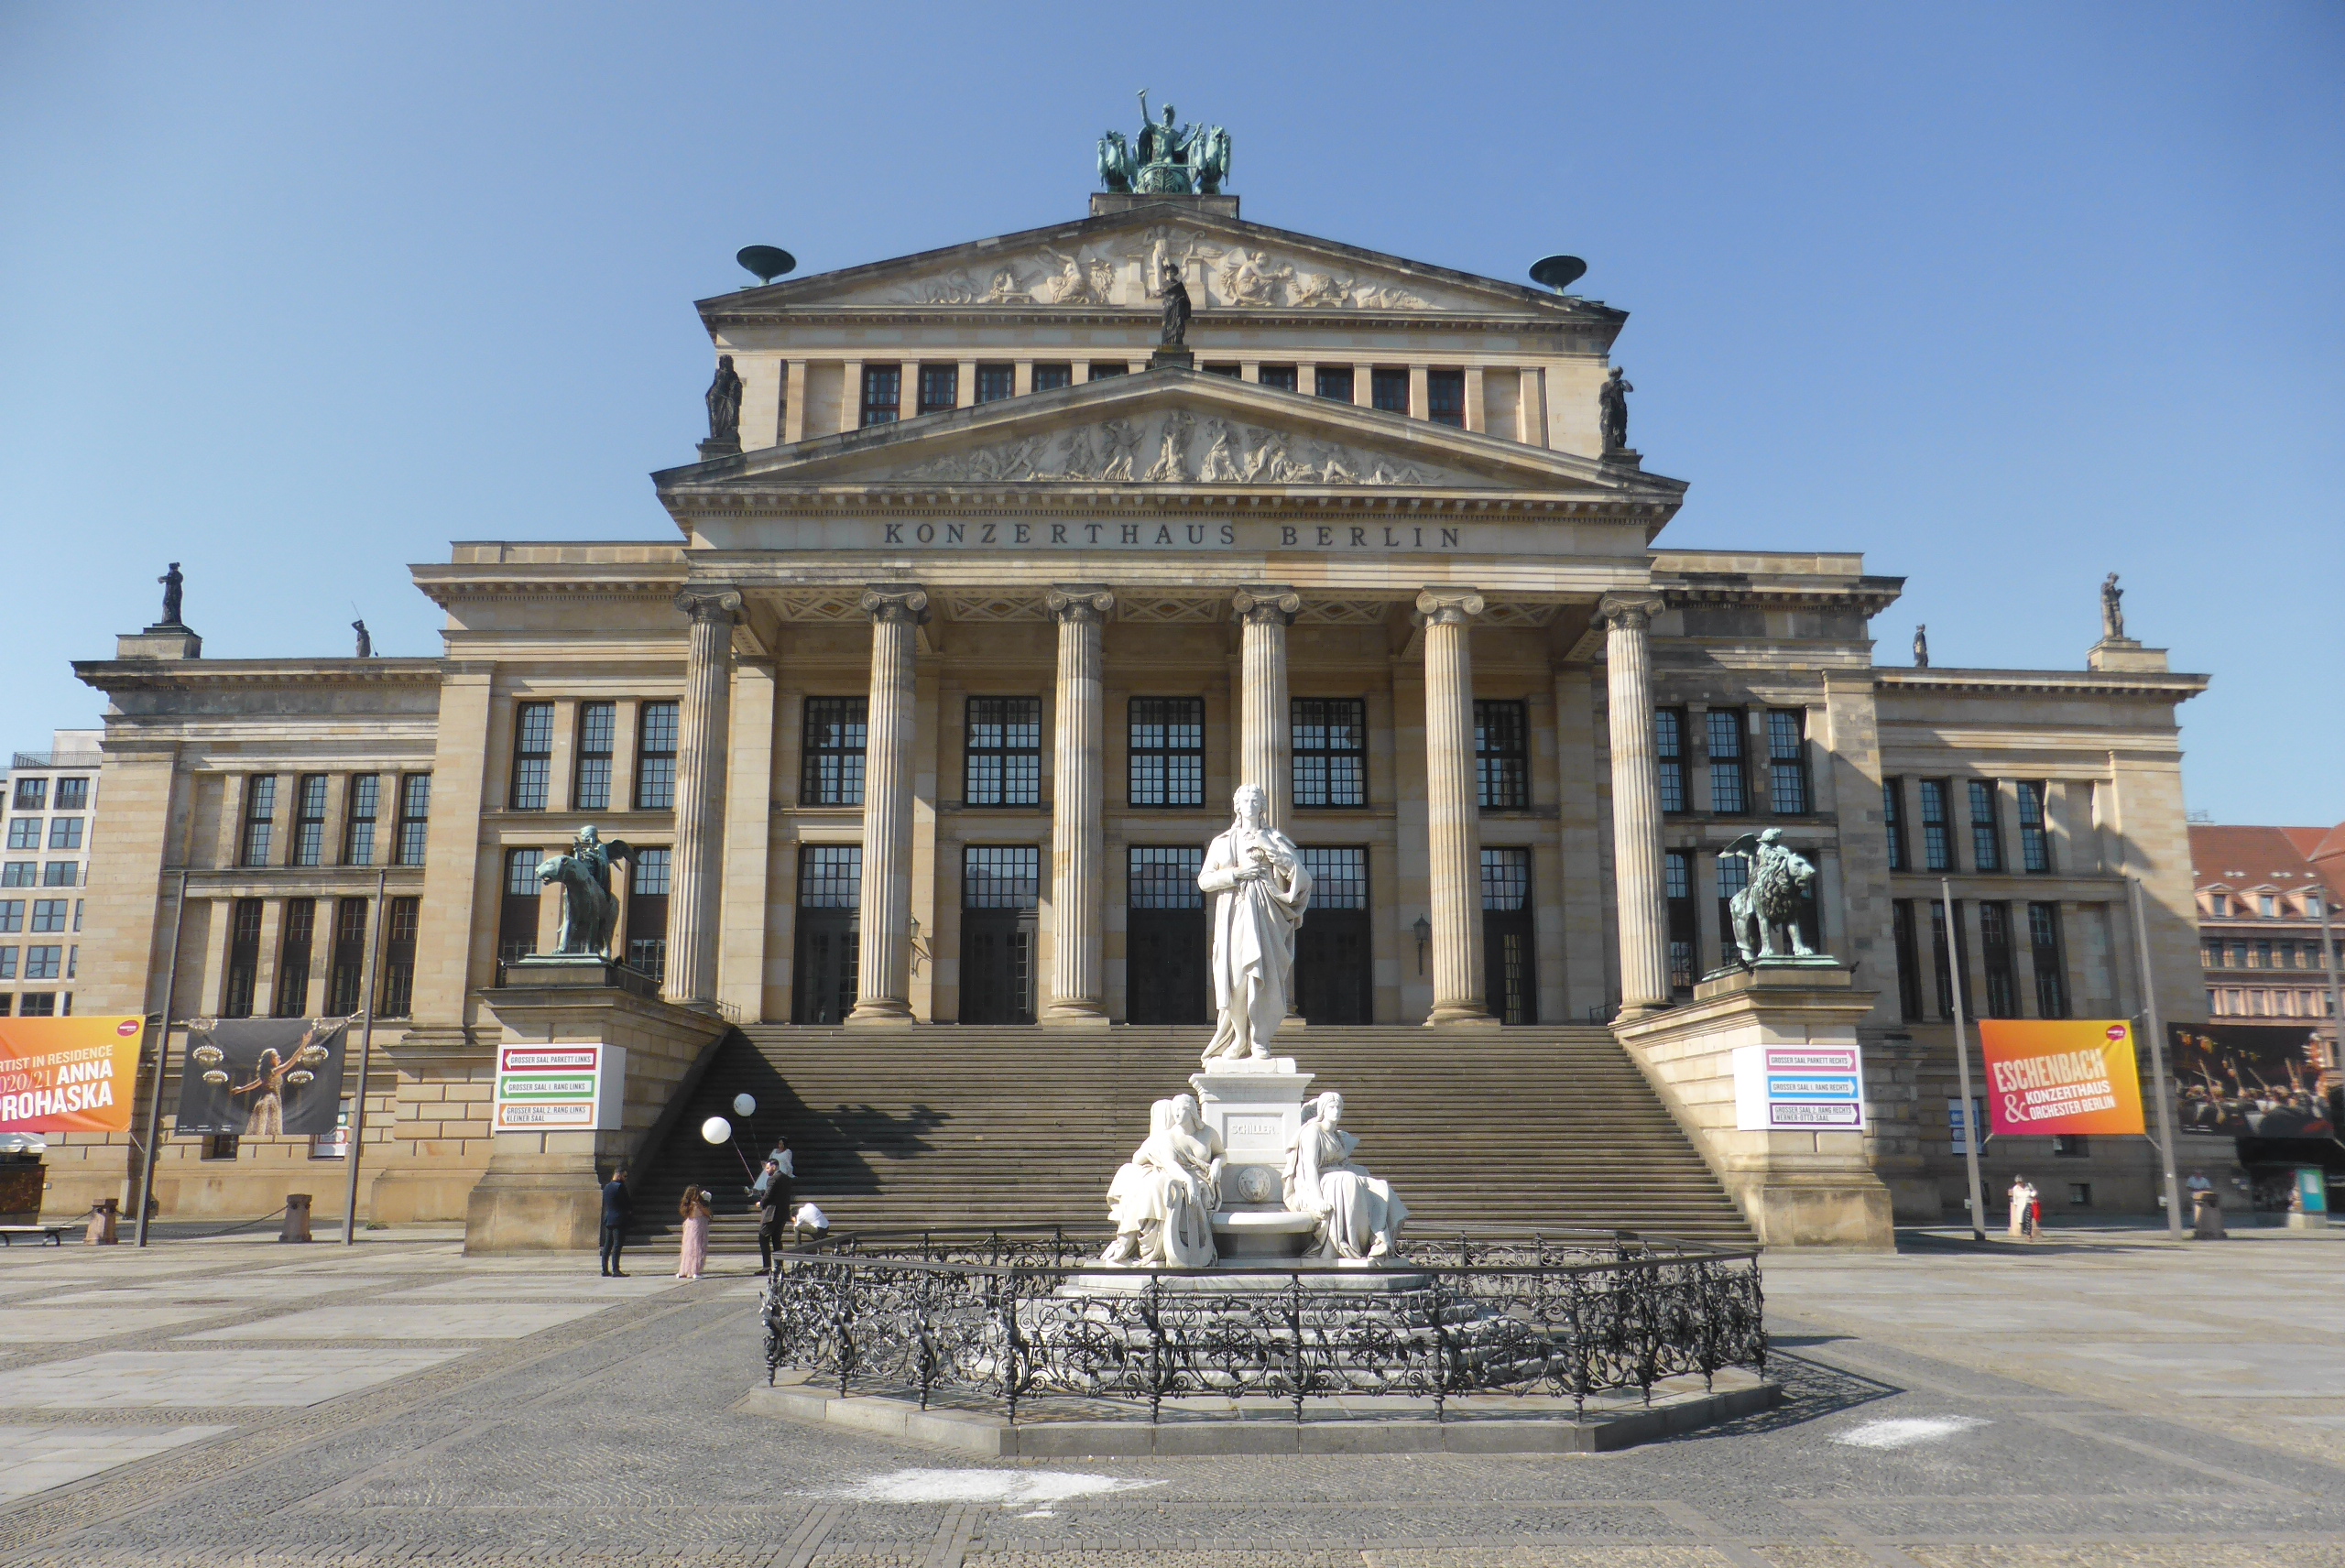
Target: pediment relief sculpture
[{"x": 1178, "y": 447}]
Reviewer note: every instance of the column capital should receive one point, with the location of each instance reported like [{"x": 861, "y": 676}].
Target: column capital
[
  {"x": 1629, "y": 610},
  {"x": 1449, "y": 606},
  {"x": 899, "y": 603},
  {"x": 1267, "y": 605},
  {"x": 1081, "y": 604},
  {"x": 721, "y": 604}
]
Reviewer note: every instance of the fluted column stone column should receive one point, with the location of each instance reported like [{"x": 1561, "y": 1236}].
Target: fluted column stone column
[
  {"x": 1078, "y": 816},
  {"x": 1266, "y": 733},
  {"x": 695, "y": 868},
  {"x": 1636, "y": 804},
  {"x": 883, "y": 978},
  {"x": 1453, "y": 806}
]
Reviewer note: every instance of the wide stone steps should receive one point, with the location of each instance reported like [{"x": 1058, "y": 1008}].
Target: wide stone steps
[{"x": 950, "y": 1127}]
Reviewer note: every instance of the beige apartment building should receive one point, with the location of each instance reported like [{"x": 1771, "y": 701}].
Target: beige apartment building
[{"x": 921, "y": 709}]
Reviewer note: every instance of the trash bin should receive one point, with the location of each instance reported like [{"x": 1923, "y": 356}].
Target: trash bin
[
  {"x": 23, "y": 1179},
  {"x": 2207, "y": 1217}
]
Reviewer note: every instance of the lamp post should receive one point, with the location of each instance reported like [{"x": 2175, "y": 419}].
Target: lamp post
[
  {"x": 2157, "y": 1058},
  {"x": 1962, "y": 1067}
]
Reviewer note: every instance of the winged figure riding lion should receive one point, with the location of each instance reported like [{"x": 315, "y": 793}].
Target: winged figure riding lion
[{"x": 1771, "y": 899}]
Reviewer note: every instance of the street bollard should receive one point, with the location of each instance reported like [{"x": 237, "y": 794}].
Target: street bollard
[
  {"x": 297, "y": 1218},
  {"x": 104, "y": 1216}
]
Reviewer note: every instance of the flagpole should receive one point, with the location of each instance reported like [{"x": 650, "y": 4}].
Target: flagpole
[
  {"x": 365, "y": 1057},
  {"x": 1970, "y": 1134},
  {"x": 2157, "y": 1059},
  {"x": 162, "y": 1060}
]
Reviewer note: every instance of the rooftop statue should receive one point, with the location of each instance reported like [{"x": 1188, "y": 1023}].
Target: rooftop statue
[
  {"x": 1612, "y": 410},
  {"x": 174, "y": 587},
  {"x": 2113, "y": 611},
  {"x": 723, "y": 399},
  {"x": 1169, "y": 160}
]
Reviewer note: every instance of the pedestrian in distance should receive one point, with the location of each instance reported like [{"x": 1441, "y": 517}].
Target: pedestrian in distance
[
  {"x": 617, "y": 1206},
  {"x": 2023, "y": 1209},
  {"x": 772, "y": 1195},
  {"x": 695, "y": 1210}
]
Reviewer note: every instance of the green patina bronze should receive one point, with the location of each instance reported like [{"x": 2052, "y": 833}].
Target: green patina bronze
[{"x": 1169, "y": 160}]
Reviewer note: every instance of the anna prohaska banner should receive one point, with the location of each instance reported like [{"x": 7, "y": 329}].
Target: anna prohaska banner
[
  {"x": 59, "y": 1075},
  {"x": 262, "y": 1077}
]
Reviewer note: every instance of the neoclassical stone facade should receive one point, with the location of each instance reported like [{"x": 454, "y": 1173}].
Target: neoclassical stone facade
[{"x": 954, "y": 653}]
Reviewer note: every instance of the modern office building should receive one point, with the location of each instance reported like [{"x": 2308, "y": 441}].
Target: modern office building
[{"x": 51, "y": 798}]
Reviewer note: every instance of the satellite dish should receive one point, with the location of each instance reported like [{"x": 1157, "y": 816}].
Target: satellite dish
[
  {"x": 744, "y": 1106},
  {"x": 769, "y": 262},
  {"x": 1558, "y": 272},
  {"x": 716, "y": 1129}
]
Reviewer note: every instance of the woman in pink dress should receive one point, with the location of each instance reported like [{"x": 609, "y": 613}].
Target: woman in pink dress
[{"x": 692, "y": 1256}]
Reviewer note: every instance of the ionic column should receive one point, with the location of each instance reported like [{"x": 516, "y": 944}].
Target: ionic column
[
  {"x": 695, "y": 870},
  {"x": 1266, "y": 735},
  {"x": 883, "y": 980},
  {"x": 1453, "y": 806},
  {"x": 1636, "y": 804},
  {"x": 1079, "y": 825}
]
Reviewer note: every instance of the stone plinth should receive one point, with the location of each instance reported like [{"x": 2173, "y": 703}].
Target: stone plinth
[
  {"x": 159, "y": 641},
  {"x": 2124, "y": 656},
  {"x": 1256, "y": 1107},
  {"x": 1797, "y": 1187}
]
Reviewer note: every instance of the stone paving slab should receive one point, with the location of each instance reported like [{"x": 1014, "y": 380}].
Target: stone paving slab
[
  {"x": 38, "y": 1458},
  {"x": 24, "y": 1325},
  {"x": 389, "y": 1318},
  {"x": 523, "y": 1287},
  {"x": 241, "y": 1287},
  {"x": 152, "y": 1379}
]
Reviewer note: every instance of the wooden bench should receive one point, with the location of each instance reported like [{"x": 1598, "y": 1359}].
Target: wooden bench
[{"x": 53, "y": 1234}]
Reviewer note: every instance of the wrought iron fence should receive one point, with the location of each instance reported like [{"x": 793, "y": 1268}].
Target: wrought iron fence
[{"x": 1003, "y": 1319}]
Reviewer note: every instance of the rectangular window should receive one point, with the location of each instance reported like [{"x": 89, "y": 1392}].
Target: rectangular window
[
  {"x": 1164, "y": 876},
  {"x": 1389, "y": 389},
  {"x": 883, "y": 391},
  {"x": 73, "y": 794},
  {"x": 346, "y": 968},
  {"x": 1938, "y": 957},
  {"x": 1332, "y": 382},
  {"x": 48, "y": 914},
  {"x": 2071, "y": 1146},
  {"x": 1102, "y": 369},
  {"x": 12, "y": 914},
  {"x": 1002, "y": 877},
  {"x": 532, "y": 756},
  {"x": 20, "y": 874},
  {"x": 1330, "y": 751},
  {"x": 654, "y": 757},
  {"x": 2002, "y": 973},
  {"x": 516, "y": 921},
  {"x": 1734, "y": 874},
  {"x": 43, "y": 962},
  {"x": 830, "y": 896},
  {"x": 2048, "y": 959},
  {"x": 1445, "y": 397},
  {"x": 32, "y": 794},
  {"x": 220, "y": 1146},
  {"x": 590, "y": 786},
  {"x": 646, "y": 912},
  {"x": 2034, "y": 843},
  {"x": 2263, "y": 959},
  {"x": 61, "y": 873},
  {"x": 1502, "y": 755},
  {"x": 397, "y": 990},
  {"x": 1506, "y": 879},
  {"x": 1938, "y": 845},
  {"x": 1507, "y": 935},
  {"x": 1669, "y": 754},
  {"x": 1279, "y": 377},
  {"x": 243, "y": 959},
  {"x": 1051, "y": 377},
  {"x": 23, "y": 833},
  {"x": 1338, "y": 877},
  {"x": 7, "y": 963},
  {"x": 1730, "y": 789},
  {"x": 65, "y": 832},
  {"x": 830, "y": 876},
  {"x": 1168, "y": 751},
  {"x": 292, "y": 998},
  {"x": 365, "y": 798},
  {"x": 1909, "y": 961},
  {"x": 832, "y": 774},
  {"x": 1004, "y": 752},
  {"x": 1684, "y": 937},
  {"x": 1986, "y": 832},
  {"x": 939, "y": 388},
  {"x": 415, "y": 817},
  {"x": 1230, "y": 368},
  {"x": 1892, "y": 818},
  {"x": 260, "y": 818},
  {"x": 1788, "y": 791},
  {"x": 309, "y": 821},
  {"x": 2268, "y": 906},
  {"x": 996, "y": 382}
]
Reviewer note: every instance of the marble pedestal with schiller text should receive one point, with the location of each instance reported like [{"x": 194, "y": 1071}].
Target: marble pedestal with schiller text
[{"x": 1256, "y": 1107}]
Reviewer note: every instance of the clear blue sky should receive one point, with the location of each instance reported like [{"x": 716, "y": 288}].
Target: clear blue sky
[{"x": 2005, "y": 297}]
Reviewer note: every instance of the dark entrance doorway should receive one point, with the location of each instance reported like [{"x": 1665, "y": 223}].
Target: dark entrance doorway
[
  {"x": 1000, "y": 890},
  {"x": 1165, "y": 937},
  {"x": 1333, "y": 965},
  {"x": 1509, "y": 970},
  {"x": 830, "y": 893}
]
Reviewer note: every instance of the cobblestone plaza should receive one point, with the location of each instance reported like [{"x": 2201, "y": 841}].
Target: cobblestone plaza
[{"x": 2104, "y": 1398}]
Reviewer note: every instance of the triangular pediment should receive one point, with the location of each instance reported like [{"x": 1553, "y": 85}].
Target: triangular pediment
[
  {"x": 1112, "y": 263},
  {"x": 1171, "y": 428}
]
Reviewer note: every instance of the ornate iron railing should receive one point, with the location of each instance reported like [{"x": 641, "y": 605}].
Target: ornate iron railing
[{"x": 1004, "y": 1319}]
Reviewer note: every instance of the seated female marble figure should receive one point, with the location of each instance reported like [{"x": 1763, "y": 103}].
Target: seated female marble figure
[
  {"x": 1162, "y": 1199},
  {"x": 1359, "y": 1214}
]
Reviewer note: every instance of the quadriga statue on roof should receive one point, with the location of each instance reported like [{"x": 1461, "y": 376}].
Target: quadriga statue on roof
[{"x": 1169, "y": 160}]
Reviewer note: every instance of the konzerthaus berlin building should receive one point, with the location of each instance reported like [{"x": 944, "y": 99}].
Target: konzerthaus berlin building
[{"x": 923, "y": 708}]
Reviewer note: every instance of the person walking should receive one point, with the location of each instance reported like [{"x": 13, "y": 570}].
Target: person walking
[
  {"x": 696, "y": 1211},
  {"x": 772, "y": 1195},
  {"x": 617, "y": 1206},
  {"x": 2022, "y": 1199}
]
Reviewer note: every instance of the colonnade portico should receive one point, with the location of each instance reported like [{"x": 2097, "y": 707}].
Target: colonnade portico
[{"x": 1072, "y": 983}]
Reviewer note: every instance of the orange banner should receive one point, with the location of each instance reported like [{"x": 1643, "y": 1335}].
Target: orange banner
[
  {"x": 68, "y": 1074},
  {"x": 2060, "y": 1075}
]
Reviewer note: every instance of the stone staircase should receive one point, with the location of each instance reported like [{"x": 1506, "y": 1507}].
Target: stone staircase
[{"x": 947, "y": 1128}]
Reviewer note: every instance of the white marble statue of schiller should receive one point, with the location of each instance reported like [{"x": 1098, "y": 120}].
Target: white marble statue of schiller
[{"x": 1259, "y": 889}]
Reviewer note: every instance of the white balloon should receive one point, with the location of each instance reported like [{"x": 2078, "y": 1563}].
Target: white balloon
[
  {"x": 745, "y": 1106},
  {"x": 716, "y": 1129}
]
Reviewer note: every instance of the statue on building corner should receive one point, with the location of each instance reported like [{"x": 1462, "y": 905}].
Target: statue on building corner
[
  {"x": 724, "y": 402},
  {"x": 1177, "y": 305},
  {"x": 1612, "y": 410},
  {"x": 1922, "y": 646},
  {"x": 174, "y": 586},
  {"x": 365, "y": 641},
  {"x": 2113, "y": 611},
  {"x": 589, "y": 907},
  {"x": 1771, "y": 898},
  {"x": 1259, "y": 889}
]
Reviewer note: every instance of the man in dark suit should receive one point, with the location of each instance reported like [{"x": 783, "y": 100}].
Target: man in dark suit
[
  {"x": 617, "y": 1205},
  {"x": 772, "y": 1197}
]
